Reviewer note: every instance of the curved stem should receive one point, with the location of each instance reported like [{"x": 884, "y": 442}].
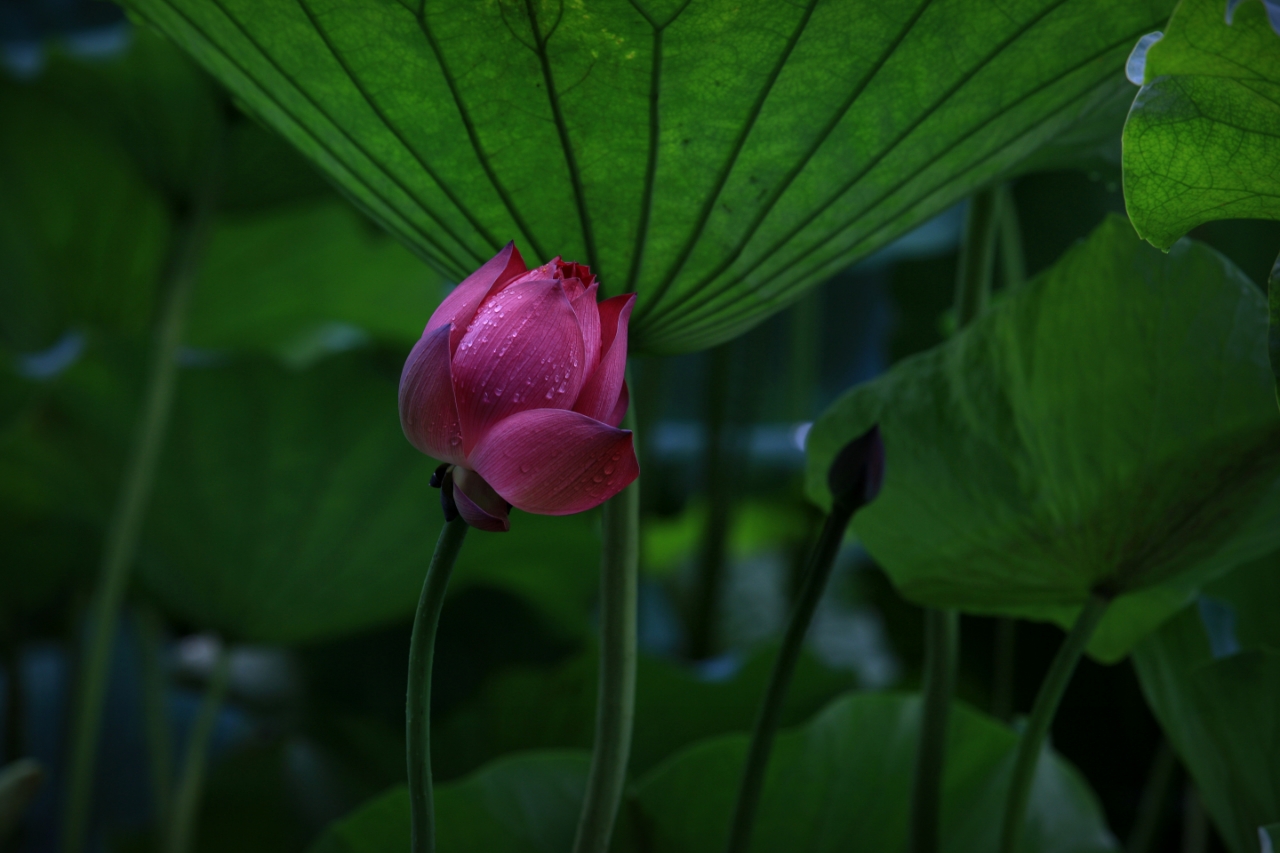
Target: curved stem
[
  {"x": 766, "y": 727},
  {"x": 1042, "y": 713},
  {"x": 942, "y": 629},
  {"x": 131, "y": 504},
  {"x": 977, "y": 256},
  {"x": 615, "y": 708},
  {"x": 186, "y": 804},
  {"x": 422, "y": 646}
]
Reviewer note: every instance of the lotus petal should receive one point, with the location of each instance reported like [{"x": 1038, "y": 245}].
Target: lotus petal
[
  {"x": 524, "y": 350},
  {"x": 460, "y": 306},
  {"x": 555, "y": 462},
  {"x": 428, "y": 409},
  {"x": 601, "y": 394}
]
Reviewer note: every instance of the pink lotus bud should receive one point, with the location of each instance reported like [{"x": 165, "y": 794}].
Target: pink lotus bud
[{"x": 519, "y": 381}]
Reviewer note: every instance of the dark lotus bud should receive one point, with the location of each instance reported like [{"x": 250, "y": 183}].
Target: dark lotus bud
[
  {"x": 858, "y": 470},
  {"x": 438, "y": 475},
  {"x": 446, "y": 494}
]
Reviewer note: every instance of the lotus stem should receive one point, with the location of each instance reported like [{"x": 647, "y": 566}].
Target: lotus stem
[
  {"x": 186, "y": 804},
  {"x": 942, "y": 629},
  {"x": 1013, "y": 260},
  {"x": 709, "y": 582},
  {"x": 1004, "y": 668},
  {"x": 821, "y": 563},
  {"x": 154, "y": 711},
  {"x": 131, "y": 503},
  {"x": 422, "y": 646},
  {"x": 615, "y": 708},
  {"x": 1042, "y": 714},
  {"x": 974, "y": 283},
  {"x": 1155, "y": 793}
]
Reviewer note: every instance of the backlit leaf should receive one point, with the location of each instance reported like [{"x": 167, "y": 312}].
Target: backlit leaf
[
  {"x": 716, "y": 158},
  {"x": 1202, "y": 141}
]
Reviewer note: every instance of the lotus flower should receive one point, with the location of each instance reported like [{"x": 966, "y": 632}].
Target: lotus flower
[{"x": 519, "y": 383}]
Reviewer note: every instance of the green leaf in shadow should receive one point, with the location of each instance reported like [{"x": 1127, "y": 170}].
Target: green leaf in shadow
[
  {"x": 843, "y": 782},
  {"x": 1220, "y": 715},
  {"x": 522, "y": 804},
  {"x": 716, "y": 158},
  {"x": 1111, "y": 425}
]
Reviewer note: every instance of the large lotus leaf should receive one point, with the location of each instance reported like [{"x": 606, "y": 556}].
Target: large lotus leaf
[
  {"x": 553, "y": 709},
  {"x": 521, "y": 804},
  {"x": 82, "y": 236},
  {"x": 1220, "y": 715},
  {"x": 717, "y": 158},
  {"x": 1202, "y": 141},
  {"x": 843, "y": 782},
  {"x": 1110, "y": 426},
  {"x": 290, "y": 507},
  {"x": 300, "y": 280}
]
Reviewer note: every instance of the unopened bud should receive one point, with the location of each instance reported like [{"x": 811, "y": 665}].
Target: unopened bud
[{"x": 856, "y": 474}]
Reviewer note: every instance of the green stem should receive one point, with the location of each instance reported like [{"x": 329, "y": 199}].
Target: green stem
[
  {"x": 154, "y": 711},
  {"x": 131, "y": 503},
  {"x": 1042, "y": 713},
  {"x": 977, "y": 256},
  {"x": 422, "y": 647},
  {"x": 615, "y": 708},
  {"x": 1013, "y": 260},
  {"x": 1195, "y": 821},
  {"x": 974, "y": 280},
  {"x": 186, "y": 803},
  {"x": 1154, "y": 794},
  {"x": 719, "y": 489},
  {"x": 820, "y": 564},
  {"x": 1004, "y": 669},
  {"x": 942, "y": 629}
]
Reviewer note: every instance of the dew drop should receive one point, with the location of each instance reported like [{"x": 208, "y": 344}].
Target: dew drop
[
  {"x": 524, "y": 469},
  {"x": 597, "y": 479}
]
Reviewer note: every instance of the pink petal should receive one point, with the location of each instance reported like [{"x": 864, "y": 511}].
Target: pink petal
[
  {"x": 524, "y": 350},
  {"x": 477, "y": 502},
  {"x": 460, "y": 306},
  {"x": 589, "y": 319},
  {"x": 600, "y": 395},
  {"x": 428, "y": 410},
  {"x": 555, "y": 462},
  {"x": 620, "y": 410}
]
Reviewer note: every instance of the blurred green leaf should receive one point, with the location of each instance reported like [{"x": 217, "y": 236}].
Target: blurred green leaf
[
  {"x": 82, "y": 235},
  {"x": 1201, "y": 141},
  {"x": 288, "y": 506},
  {"x": 1220, "y": 716},
  {"x": 756, "y": 526},
  {"x": 618, "y": 136},
  {"x": 539, "y": 709},
  {"x": 843, "y": 782},
  {"x": 1111, "y": 424},
  {"x": 301, "y": 280},
  {"x": 164, "y": 112},
  {"x": 521, "y": 804}
]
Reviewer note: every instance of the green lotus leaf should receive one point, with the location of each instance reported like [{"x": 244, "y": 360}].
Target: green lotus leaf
[
  {"x": 1202, "y": 141},
  {"x": 716, "y": 158},
  {"x": 1111, "y": 426}
]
